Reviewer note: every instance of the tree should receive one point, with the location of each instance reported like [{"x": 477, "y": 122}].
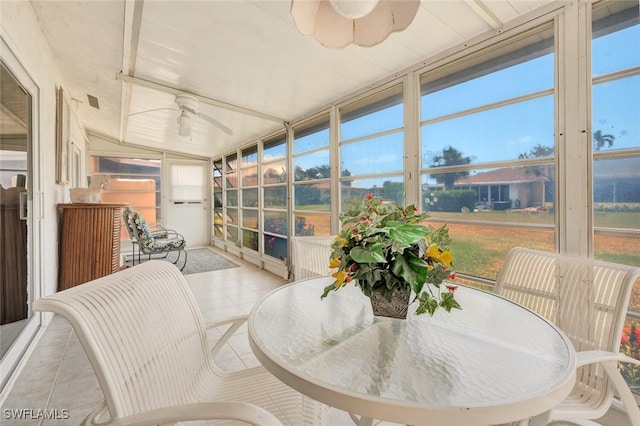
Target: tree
[
  {"x": 316, "y": 172},
  {"x": 538, "y": 151},
  {"x": 393, "y": 191},
  {"x": 600, "y": 140},
  {"x": 546, "y": 172},
  {"x": 450, "y": 157}
]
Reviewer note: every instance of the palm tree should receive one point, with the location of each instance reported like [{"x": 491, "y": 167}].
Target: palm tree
[
  {"x": 599, "y": 140},
  {"x": 537, "y": 152}
]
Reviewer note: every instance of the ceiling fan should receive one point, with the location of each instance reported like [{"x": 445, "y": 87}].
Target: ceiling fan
[{"x": 188, "y": 108}]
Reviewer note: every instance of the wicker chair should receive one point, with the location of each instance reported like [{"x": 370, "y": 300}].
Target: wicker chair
[
  {"x": 146, "y": 340},
  {"x": 588, "y": 300},
  {"x": 310, "y": 256}
]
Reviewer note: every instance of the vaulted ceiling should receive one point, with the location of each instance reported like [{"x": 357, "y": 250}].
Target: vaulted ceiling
[{"x": 244, "y": 59}]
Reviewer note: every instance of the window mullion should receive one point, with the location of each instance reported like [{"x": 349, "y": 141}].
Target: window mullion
[
  {"x": 573, "y": 140},
  {"x": 412, "y": 140}
]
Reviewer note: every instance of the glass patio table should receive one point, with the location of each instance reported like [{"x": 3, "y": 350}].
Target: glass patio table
[{"x": 491, "y": 362}]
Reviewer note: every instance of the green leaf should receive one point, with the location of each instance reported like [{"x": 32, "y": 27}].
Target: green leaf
[
  {"x": 438, "y": 274},
  {"x": 448, "y": 302},
  {"x": 326, "y": 291},
  {"x": 406, "y": 233},
  {"x": 412, "y": 269},
  {"x": 427, "y": 304},
  {"x": 370, "y": 254},
  {"x": 368, "y": 275}
]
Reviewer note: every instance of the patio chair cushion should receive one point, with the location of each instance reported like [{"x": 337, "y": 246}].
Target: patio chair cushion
[
  {"x": 141, "y": 227},
  {"x": 164, "y": 244},
  {"x": 151, "y": 242},
  {"x": 127, "y": 218}
]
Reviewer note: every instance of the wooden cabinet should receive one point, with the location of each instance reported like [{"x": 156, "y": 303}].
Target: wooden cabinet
[{"x": 89, "y": 242}]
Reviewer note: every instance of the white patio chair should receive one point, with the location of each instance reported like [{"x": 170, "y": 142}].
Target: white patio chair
[
  {"x": 310, "y": 256},
  {"x": 146, "y": 340},
  {"x": 588, "y": 300}
]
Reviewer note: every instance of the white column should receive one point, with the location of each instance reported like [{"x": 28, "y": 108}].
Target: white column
[
  {"x": 573, "y": 171},
  {"x": 412, "y": 161}
]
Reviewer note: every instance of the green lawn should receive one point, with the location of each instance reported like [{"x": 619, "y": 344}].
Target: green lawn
[
  {"x": 630, "y": 220},
  {"x": 479, "y": 249},
  {"x": 314, "y": 207}
]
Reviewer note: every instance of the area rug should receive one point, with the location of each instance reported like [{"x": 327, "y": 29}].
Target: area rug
[{"x": 198, "y": 260}]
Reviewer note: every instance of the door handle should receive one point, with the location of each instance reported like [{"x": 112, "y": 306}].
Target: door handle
[{"x": 23, "y": 206}]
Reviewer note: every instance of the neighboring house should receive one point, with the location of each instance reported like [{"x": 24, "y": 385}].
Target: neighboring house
[
  {"x": 509, "y": 187},
  {"x": 617, "y": 181},
  {"x": 523, "y": 187}
]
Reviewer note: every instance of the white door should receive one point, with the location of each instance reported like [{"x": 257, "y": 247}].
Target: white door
[{"x": 187, "y": 207}]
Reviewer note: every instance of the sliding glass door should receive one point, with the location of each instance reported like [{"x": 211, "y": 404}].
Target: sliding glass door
[{"x": 18, "y": 253}]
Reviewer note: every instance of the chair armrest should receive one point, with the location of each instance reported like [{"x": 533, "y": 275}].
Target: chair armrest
[
  {"x": 590, "y": 357},
  {"x": 574, "y": 421},
  {"x": 242, "y": 411},
  {"x": 609, "y": 361},
  {"x": 159, "y": 233},
  {"x": 236, "y": 323},
  {"x": 170, "y": 234}
]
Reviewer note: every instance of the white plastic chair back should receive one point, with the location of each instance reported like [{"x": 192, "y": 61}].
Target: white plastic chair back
[
  {"x": 144, "y": 335},
  {"x": 585, "y": 298},
  {"x": 137, "y": 328},
  {"x": 310, "y": 256}
]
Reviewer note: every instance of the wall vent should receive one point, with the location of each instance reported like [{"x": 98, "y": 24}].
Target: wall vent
[{"x": 93, "y": 101}]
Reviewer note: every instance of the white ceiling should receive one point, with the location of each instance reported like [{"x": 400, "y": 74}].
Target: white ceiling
[{"x": 246, "y": 54}]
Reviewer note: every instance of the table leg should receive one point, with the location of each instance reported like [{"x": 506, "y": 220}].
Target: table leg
[
  {"x": 361, "y": 420},
  {"x": 540, "y": 419}
]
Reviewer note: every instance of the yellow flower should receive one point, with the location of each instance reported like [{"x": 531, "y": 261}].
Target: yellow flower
[
  {"x": 443, "y": 256},
  {"x": 433, "y": 251},
  {"x": 340, "y": 277},
  {"x": 334, "y": 263},
  {"x": 446, "y": 257},
  {"x": 341, "y": 240}
]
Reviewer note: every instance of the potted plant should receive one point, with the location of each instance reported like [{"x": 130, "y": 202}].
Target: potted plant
[{"x": 385, "y": 250}]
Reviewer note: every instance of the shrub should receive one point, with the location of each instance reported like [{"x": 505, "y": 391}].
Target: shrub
[
  {"x": 450, "y": 201},
  {"x": 617, "y": 207}
]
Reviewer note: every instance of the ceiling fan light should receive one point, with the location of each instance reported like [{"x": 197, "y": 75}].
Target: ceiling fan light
[
  {"x": 321, "y": 19},
  {"x": 354, "y": 9}
]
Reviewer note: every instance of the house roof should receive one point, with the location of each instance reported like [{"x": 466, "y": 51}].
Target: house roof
[{"x": 506, "y": 175}]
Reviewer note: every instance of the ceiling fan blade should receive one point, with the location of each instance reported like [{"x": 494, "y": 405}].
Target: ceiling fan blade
[
  {"x": 215, "y": 123},
  {"x": 153, "y": 110}
]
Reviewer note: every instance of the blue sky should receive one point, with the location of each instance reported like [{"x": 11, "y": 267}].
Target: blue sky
[{"x": 500, "y": 133}]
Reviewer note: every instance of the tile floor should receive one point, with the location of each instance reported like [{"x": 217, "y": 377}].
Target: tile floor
[{"x": 58, "y": 374}]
